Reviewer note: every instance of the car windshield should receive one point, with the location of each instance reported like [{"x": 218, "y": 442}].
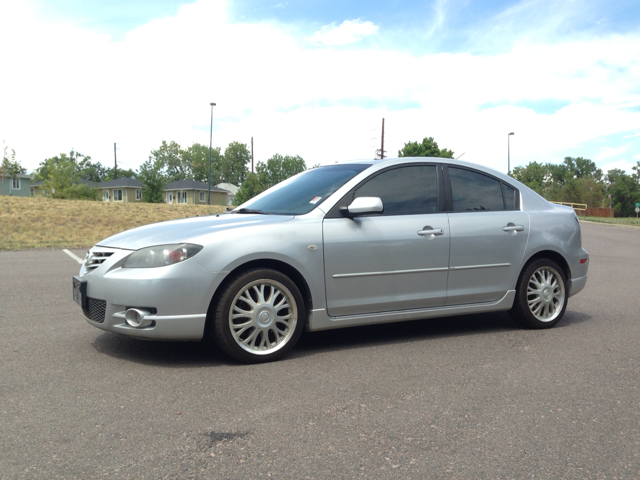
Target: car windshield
[{"x": 304, "y": 192}]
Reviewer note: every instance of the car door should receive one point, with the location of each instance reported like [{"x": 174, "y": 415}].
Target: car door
[
  {"x": 489, "y": 234},
  {"x": 395, "y": 260}
]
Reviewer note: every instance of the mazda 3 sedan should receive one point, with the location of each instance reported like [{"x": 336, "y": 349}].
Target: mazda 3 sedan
[{"x": 337, "y": 246}]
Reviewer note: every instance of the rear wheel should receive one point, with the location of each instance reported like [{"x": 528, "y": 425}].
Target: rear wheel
[
  {"x": 541, "y": 295},
  {"x": 259, "y": 316}
]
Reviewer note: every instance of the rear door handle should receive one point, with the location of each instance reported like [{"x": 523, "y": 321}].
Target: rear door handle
[
  {"x": 511, "y": 227},
  {"x": 428, "y": 231}
]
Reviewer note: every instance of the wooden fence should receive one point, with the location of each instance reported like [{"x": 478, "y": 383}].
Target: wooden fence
[
  {"x": 583, "y": 211},
  {"x": 599, "y": 212}
]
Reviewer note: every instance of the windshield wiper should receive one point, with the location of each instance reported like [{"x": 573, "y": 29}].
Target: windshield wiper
[{"x": 251, "y": 210}]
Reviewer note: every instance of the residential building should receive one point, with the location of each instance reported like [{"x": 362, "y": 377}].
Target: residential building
[
  {"x": 193, "y": 192},
  {"x": 127, "y": 190},
  {"x": 35, "y": 189},
  {"x": 16, "y": 186},
  {"x": 232, "y": 189}
]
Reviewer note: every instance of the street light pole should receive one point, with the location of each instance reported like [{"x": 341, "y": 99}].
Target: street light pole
[
  {"x": 210, "y": 141},
  {"x": 509, "y": 154}
]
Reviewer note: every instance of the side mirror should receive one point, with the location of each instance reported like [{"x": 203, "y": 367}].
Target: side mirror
[{"x": 364, "y": 205}]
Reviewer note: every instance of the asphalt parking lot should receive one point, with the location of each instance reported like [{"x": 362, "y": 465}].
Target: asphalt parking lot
[{"x": 462, "y": 397}]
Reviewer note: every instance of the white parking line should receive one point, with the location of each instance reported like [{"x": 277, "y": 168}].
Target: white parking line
[{"x": 77, "y": 259}]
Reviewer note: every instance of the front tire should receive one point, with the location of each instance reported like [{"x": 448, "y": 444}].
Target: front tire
[
  {"x": 541, "y": 295},
  {"x": 259, "y": 316}
]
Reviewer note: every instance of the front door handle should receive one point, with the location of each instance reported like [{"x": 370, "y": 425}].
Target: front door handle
[
  {"x": 430, "y": 232},
  {"x": 512, "y": 227}
]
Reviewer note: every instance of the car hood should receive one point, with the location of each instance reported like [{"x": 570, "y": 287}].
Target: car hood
[{"x": 187, "y": 230}]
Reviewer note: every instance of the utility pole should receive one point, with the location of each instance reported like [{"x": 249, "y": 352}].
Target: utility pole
[
  {"x": 251, "y": 154},
  {"x": 382, "y": 142},
  {"x": 115, "y": 160},
  {"x": 210, "y": 149},
  {"x": 610, "y": 214},
  {"x": 380, "y": 153},
  {"x": 509, "y": 153}
]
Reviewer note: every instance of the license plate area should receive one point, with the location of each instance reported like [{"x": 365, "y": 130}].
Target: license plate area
[{"x": 80, "y": 291}]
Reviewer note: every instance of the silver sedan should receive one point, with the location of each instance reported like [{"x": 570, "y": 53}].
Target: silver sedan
[{"x": 337, "y": 246}]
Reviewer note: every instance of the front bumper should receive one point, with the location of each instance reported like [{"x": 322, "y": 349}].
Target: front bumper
[
  {"x": 180, "y": 327},
  {"x": 178, "y": 297}
]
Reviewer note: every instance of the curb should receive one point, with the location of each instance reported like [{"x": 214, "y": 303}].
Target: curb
[{"x": 611, "y": 224}]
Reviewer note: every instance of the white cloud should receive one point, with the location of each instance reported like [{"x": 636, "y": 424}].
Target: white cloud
[
  {"x": 439, "y": 10},
  {"x": 621, "y": 165},
  {"x": 70, "y": 88},
  {"x": 349, "y": 31},
  {"x": 609, "y": 152}
]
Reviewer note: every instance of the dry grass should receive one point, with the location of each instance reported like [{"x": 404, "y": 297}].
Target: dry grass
[
  {"x": 45, "y": 223},
  {"x": 633, "y": 221}
]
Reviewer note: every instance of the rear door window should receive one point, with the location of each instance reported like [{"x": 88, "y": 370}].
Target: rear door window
[{"x": 473, "y": 192}]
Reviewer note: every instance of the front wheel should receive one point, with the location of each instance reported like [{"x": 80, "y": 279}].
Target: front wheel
[
  {"x": 541, "y": 295},
  {"x": 259, "y": 316}
]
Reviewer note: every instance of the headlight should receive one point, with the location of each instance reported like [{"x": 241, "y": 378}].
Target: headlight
[{"x": 161, "y": 255}]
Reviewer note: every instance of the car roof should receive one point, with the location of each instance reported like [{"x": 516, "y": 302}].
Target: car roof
[{"x": 449, "y": 161}]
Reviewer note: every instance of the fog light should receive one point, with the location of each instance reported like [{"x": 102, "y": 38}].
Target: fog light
[{"x": 137, "y": 318}]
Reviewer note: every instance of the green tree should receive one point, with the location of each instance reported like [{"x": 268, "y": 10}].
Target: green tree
[
  {"x": 152, "y": 174},
  {"x": 428, "y": 148},
  {"x": 254, "y": 184},
  {"x": 583, "y": 168},
  {"x": 624, "y": 190},
  {"x": 277, "y": 169},
  {"x": 636, "y": 169},
  {"x": 536, "y": 176},
  {"x": 169, "y": 157},
  {"x": 583, "y": 190},
  {"x": 63, "y": 178},
  {"x": 193, "y": 162},
  {"x": 78, "y": 160},
  {"x": 197, "y": 157},
  {"x": 576, "y": 180},
  {"x": 94, "y": 172},
  {"x": 122, "y": 173},
  {"x": 233, "y": 168}
]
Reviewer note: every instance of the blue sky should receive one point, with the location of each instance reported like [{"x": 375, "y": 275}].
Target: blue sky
[{"x": 315, "y": 78}]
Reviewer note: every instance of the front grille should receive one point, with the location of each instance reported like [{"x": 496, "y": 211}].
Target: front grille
[
  {"x": 95, "y": 310},
  {"x": 95, "y": 258}
]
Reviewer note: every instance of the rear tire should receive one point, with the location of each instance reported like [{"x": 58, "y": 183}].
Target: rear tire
[
  {"x": 541, "y": 295},
  {"x": 259, "y": 316}
]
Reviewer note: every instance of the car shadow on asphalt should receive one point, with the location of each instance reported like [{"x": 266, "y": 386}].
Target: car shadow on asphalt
[
  {"x": 572, "y": 318},
  {"x": 160, "y": 353},
  {"x": 402, "y": 332},
  {"x": 202, "y": 354},
  {"x": 416, "y": 331}
]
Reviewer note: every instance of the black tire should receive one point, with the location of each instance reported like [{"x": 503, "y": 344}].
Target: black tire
[
  {"x": 269, "y": 316},
  {"x": 541, "y": 295}
]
